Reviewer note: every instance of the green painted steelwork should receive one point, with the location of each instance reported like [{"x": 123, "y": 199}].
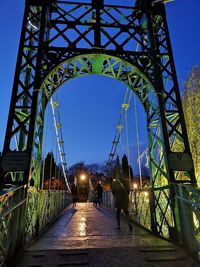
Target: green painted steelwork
[
  {"x": 186, "y": 197},
  {"x": 61, "y": 40},
  {"x": 121, "y": 70},
  {"x": 140, "y": 209},
  {"x": 41, "y": 209},
  {"x": 11, "y": 205}
]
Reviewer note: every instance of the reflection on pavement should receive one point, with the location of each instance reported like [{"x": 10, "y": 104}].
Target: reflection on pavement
[{"x": 82, "y": 226}]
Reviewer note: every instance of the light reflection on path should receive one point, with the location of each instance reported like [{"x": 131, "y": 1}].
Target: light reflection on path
[
  {"x": 90, "y": 227},
  {"x": 82, "y": 226}
]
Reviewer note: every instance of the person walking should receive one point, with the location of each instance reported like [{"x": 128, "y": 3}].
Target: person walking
[
  {"x": 121, "y": 190},
  {"x": 99, "y": 189},
  {"x": 74, "y": 194},
  {"x": 95, "y": 198}
]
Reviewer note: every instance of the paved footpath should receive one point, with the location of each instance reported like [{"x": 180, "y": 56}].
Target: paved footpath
[{"x": 87, "y": 236}]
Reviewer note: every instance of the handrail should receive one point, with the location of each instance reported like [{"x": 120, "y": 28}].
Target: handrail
[
  {"x": 5, "y": 213},
  {"x": 10, "y": 193}
]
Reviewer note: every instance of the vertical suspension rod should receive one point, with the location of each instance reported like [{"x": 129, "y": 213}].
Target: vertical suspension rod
[{"x": 58, "y": 143}]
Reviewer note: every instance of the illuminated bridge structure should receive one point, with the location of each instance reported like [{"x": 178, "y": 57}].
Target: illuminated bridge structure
[{"x": 62, "y": 40}]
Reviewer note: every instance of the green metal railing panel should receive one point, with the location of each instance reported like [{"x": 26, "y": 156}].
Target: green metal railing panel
[
  {"x": 108, "y": 199},
  {"x": 140, "y": 207},
  {"x": 51, "y": 204},
  {"x": 188, "y": 200},
  {"x": 164, "y": 216},
  {"x": 22, "y": 219},
  {"x": 43, "y": 207},
  {"x": 10, "y": 204},
  {"x": 31, "y": 215}
]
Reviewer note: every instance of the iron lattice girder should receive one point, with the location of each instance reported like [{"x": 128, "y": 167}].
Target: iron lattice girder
[
  {"x": 50, "y": 22},
  {"x": 120, "y": 20},
  {"x": 130, "y": 20},
  {"x": 97, "y": 63},
  {"x": 61, "y": 40}
]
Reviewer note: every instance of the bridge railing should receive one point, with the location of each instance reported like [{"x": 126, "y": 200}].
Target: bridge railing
[
  {"x": 11, "y": 227},
  {"x": 43, "y": 207},
  {"x": 188, "y": 202},
  {"x": 24, "y": 216},
  {"x": 140, "y": 206},
  {"x": 108, "y": 199}
]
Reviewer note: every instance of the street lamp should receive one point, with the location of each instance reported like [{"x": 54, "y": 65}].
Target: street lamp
[
  {"x": 82, "y": 177},
  {"x": 83, "y": 184},
  {"x": 135, "y": 186}
]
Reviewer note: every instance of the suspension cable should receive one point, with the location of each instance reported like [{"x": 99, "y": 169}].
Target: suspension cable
[
  {"x": 120, "y": 125},
  {"x": 56, "y": 169},
  {"x": 127, "y": 138},
  {"x": 51, "y": 159},
  {"x": 116, "y": 139},
  {"x": 43, "y": 169},
  {"x": 127, "y": 147},
  {"x": 59, "y": 141},
  {"x": 137, "y": 139}
]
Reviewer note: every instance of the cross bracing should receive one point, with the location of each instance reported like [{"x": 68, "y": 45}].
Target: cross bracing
[{"x": 62, "y": 40}]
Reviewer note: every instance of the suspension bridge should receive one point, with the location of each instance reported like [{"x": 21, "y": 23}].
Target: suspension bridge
[{"x": 62, "y": 40}]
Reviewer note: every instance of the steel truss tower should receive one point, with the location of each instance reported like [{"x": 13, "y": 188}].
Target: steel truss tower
[{"x": 61, "y": 40}]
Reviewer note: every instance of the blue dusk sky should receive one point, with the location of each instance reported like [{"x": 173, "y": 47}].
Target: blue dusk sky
[{"x": 90, "y": 106}]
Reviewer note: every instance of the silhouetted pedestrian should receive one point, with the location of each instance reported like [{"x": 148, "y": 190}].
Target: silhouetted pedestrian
[
  {"x": 99, "y": 189},
  {"x": 95, "y": 198},
  {"x": 121, "y": 190},
  {"x": 74, "y": 194}
]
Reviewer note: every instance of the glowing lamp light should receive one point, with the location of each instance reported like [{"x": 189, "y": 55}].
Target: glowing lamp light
[
  {"x": 82, "y": 177},
  {"x": 146, "y": 193},
  {"x": 135, "y": 186}
]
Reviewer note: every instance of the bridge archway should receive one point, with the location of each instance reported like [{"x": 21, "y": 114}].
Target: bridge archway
[
  {"x": 133, "y": 77},
  {"x": 122, "y": 71},
  {"x": 61, "y": 40}
]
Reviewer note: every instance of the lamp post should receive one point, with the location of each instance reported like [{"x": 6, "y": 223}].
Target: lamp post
[
  {"x": 83, "y": 180},
  {"x": 135, "y": 186}
]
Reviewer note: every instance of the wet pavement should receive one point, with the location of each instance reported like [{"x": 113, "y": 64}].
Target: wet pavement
[{"x": 87, "y": 236}]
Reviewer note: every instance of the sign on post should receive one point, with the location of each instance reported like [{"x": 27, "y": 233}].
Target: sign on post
[
  {"x": 180, "y": 161},
  {"x": 16, "y": 161}
]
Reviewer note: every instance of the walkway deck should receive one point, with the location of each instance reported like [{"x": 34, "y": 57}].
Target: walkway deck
[{"x": 87, "y": 236}]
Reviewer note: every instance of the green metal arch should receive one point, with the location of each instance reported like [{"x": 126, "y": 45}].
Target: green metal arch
[
  {"x": 101, "y": 64},
  {"x": 136, "y": 80}
]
